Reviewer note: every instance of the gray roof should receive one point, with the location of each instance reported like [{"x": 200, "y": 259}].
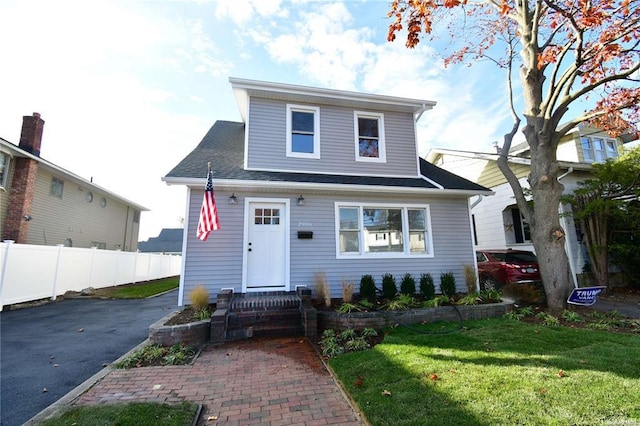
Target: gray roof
[
  {"x": 168, "y": 241},
  {"x": 223, "y": 146}
]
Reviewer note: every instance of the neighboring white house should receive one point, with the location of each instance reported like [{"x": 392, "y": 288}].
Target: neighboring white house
[
  {"x": 321, "y": 180},
  {"x": 497, "y": 221}
]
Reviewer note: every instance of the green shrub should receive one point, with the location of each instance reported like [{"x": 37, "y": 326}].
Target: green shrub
[
  {"x": 333, "y": 344},
  {"x": 427, "y": 288},
  {"x": 389, "y": 288},
  {"x": 400, "y": 303},
  {"x": 447, "y": 284},
  {"x": 408, "y": 285},
  {"x": 367, "y": 287}
]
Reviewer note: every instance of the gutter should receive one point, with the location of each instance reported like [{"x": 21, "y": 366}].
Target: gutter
[{"x": 232, "y": 184}]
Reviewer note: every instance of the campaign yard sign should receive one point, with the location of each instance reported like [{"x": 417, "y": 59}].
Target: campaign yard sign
[{"x": 585, "y": 296}]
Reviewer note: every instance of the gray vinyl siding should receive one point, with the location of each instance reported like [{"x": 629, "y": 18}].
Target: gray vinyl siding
[
  {"x": 72, "y": 217},
  {"x": 217, "y": 263},
  {"x": 267, "y": 142}
]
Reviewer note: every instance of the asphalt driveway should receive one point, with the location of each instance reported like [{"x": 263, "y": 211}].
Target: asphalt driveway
[{"x": 46, "y": 351}]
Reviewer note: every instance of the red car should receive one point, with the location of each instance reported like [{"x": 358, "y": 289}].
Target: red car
[{"x": 499, "y": 267}]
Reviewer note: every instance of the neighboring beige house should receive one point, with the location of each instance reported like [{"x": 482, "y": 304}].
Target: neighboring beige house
[
  {"x": 43, "y": 204},
  {"x": 497, "y": 221}
]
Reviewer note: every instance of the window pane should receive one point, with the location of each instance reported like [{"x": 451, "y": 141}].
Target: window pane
[
  {"x": 417, "y": 228},
  {"x": 368, "y": 148},
  {"x": 57, "y": 187},
  {"x": 302, "y": 121},
  {"x": 349, "y": 242},
  {"x": 416, "y": 220},
  {"x": 598, "y": 145},
  {"x": 586, "y": 150},
  {"x": 611, "y": 149},
  {"x": 417, "y": 242},
  {"x": 4, "y": 162},
  {"x": 368, "y": 127},
  {"x": 383, "y": 230},
  {"x": 349, "y": 218},
  {"x": 302, "y": 143}
]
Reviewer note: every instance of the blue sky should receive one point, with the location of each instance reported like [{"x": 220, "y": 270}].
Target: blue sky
[{"x": 128, "y": 88}]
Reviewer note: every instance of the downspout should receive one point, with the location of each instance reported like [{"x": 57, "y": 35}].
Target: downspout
[{"x": 567, "y": 242}]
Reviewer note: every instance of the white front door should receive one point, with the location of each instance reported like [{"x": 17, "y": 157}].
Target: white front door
[{"x": 266, "y": 246}]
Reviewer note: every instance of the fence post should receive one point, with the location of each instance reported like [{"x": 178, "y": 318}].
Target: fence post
[
  {"x": 93, "y": 252},
  {"x": 55, "y": 277},
  {"x": 7, "y": 244}
]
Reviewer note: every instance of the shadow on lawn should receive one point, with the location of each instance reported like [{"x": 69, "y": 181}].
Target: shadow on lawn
[{"x": 561, "y": 348}]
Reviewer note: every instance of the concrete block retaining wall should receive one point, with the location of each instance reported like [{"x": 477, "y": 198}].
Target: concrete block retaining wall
[
  {"x": 381, "y": 319},
  {"x": 191, "y": 334}
]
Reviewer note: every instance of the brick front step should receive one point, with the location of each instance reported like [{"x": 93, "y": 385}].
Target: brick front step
[{"x": 264, "y": 323}]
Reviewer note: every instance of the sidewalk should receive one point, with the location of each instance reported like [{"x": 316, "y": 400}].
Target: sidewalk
[{"x": 267, "y": 381}]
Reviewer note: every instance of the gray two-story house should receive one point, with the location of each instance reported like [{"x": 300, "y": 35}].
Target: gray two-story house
[{"x": 321, "y": 180}]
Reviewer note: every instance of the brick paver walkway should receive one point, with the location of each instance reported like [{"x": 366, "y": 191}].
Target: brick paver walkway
[{"x": 267, "y": 382}]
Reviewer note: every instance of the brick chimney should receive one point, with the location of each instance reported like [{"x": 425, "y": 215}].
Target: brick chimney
[
  {"x": 31, "y": 136},
  {"x": 16, "y": 226}
]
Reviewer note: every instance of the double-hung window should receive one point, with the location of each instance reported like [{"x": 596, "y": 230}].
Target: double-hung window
[
  {"x": 57, "y": 187},
  {"x": 4, "y": 169},
  {"x": 369, "y": 141},
  {"x": 303, "y": 131},
  {"x": 382, "y": 230},
  {"x": 597, "y": 149}
]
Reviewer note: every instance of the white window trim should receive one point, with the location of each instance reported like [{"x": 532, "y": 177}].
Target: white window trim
[
  {"x": 316, "y": 131},
  {"x": 592, "y": 149},
  {"x": 382, "y": 153},
  {"x": 405, "y": 231}
]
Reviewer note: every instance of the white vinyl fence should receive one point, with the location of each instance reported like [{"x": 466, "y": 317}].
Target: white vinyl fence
[{"x": 31, "y": 272}]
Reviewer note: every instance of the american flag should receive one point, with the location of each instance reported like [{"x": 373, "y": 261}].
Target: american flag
[{"x": 208, "y": 213}]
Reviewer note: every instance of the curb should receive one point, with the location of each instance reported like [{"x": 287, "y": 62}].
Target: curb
[{"x": 63, "y": 403}]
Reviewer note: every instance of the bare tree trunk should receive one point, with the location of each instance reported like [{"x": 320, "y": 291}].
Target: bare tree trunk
[{"x": 548, "y": 236}]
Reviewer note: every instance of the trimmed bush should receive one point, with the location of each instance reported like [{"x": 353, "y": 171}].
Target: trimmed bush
[
  {"x": 389, "y": 288},
  {"x": 367, "y": 287},
  {"x": 427, "y": 288},
  {"x": 408, "y": 285},
  {"x": 447, "y": 284}
]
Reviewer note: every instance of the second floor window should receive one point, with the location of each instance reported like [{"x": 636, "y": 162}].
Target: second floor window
[
  {"x": 595, "y": 149},
  {"x": 369, "y": 130},
  {"x": 57, "y": 187},
  {"x": 303, "y": 133}
]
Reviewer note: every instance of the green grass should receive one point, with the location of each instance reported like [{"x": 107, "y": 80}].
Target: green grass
[
  {"x": 142, "y": 290},
  {"x": 134, "y": 414},
  {"x": 496, "y": 372}
]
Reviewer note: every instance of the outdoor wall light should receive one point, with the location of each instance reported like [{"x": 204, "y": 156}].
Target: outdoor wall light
[
  {"x": 300, "y": 201},
  {"x": 233, "y": 199},
  {"x": 27, "y": 217}
]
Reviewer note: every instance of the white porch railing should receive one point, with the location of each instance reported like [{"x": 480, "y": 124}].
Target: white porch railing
[{"x": 31, "y": 272}]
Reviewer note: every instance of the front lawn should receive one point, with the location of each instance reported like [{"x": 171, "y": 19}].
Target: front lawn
[
  {"x": 496, "y": 372},
  {"x": 140, "y": 290}
]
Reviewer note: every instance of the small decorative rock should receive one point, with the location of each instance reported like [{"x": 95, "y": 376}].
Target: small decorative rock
[{"x": 89, "y": 291}]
